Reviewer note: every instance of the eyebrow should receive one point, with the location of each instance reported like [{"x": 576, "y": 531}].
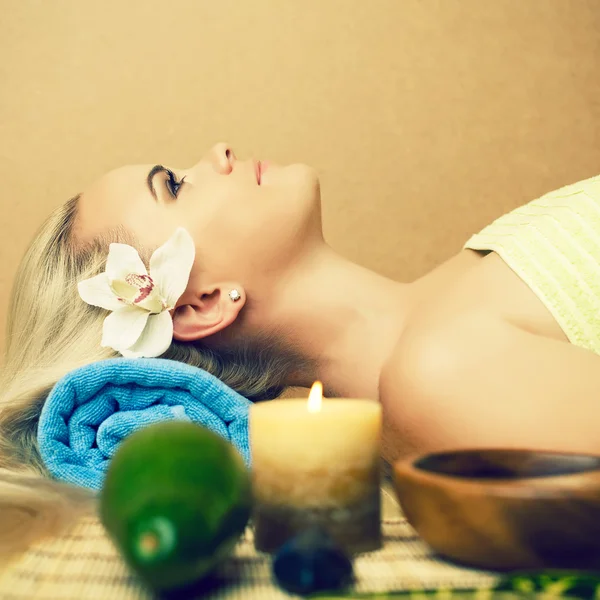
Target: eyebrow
[{"x": 149, "y": 180}]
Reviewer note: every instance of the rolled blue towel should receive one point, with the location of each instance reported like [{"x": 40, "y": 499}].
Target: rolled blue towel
[{"x": 92, "y": 409}]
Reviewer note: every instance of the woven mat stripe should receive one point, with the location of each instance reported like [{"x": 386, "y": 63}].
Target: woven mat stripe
[{"x": 85, "y": 564}]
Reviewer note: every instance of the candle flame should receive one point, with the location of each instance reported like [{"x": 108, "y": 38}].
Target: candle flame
[{"x": 315, "y": 398}]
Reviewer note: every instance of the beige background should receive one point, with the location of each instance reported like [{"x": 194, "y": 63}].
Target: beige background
[{"x": 425, "y": 118}]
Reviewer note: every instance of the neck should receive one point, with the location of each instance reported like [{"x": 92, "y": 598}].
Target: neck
[{"x": 341, "y": 318}]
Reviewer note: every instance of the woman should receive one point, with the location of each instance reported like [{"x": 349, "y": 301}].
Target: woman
[{"x": 471, "y": 354}]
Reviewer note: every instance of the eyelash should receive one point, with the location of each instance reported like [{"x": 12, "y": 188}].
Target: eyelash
[{"x": 172, "y": 182}]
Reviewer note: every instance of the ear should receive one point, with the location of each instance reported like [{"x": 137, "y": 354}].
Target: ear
[{"x": 208, "y": 312}]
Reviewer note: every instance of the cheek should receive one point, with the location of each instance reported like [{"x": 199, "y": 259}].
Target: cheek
[
  {"x": 244, "y": 232},
  {"x": 245, "y": 243}
]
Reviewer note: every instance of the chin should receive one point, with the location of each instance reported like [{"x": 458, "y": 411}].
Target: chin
[
  {"x": 307, "y": 180},
  {"x": 304, "y": 192},
  {"x": 311, "y": 194}
]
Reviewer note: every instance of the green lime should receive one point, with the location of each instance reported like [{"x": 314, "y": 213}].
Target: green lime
[{"x": 175, "y": 500}]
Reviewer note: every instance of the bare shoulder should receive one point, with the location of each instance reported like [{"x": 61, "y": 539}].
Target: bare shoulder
[
  {"x": 460, "y": 298},
  {"x": 471, "y": 301}
]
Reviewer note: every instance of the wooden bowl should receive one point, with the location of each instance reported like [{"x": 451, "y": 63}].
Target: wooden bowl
[{"x": 505, "y": 509}]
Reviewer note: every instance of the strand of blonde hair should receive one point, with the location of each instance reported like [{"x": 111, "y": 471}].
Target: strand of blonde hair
[{"x": 52, "y": 332}]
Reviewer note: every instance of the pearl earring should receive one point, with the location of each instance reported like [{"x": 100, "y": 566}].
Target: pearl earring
[{"x": 235, "y": 295}]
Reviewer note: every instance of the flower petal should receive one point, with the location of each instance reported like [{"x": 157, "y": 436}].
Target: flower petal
[
  {"x": 96, "y": 291},
  {"x": 171, "y": 264},
  {"x": 122, "y": 261},
  {"x": 155, "y": 339},
  {"x": 123, "y": 327}
]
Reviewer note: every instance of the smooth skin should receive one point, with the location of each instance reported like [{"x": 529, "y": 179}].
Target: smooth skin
[{"x": 466, "y": 355}]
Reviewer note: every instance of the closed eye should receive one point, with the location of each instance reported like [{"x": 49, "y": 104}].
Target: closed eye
[{"x": 172, "y": 184}]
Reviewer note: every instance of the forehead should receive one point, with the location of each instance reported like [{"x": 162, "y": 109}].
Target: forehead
[{"x": 119, "y": 198}]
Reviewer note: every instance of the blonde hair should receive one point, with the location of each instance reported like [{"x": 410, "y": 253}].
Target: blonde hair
[{"x": 51, "y": 331}]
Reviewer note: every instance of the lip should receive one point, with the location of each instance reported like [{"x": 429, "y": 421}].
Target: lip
[
  {"x": 260, "y": 166},
  {"x": 258, "y": 170}
]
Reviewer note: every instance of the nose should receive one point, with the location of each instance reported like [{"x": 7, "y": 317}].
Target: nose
[{"x": 222, "y": 158}]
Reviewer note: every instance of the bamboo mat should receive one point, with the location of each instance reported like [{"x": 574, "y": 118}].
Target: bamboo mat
[{"x": 83, "y": 564}]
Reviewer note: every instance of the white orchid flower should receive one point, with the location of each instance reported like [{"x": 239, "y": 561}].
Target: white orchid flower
[{"x": 140, "y": 324}]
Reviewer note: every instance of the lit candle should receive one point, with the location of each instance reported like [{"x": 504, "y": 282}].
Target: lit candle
[{"x": 316, "y": 462}]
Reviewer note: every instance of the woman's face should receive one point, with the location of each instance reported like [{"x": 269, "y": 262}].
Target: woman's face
[{"x": 243, "y": 218}]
